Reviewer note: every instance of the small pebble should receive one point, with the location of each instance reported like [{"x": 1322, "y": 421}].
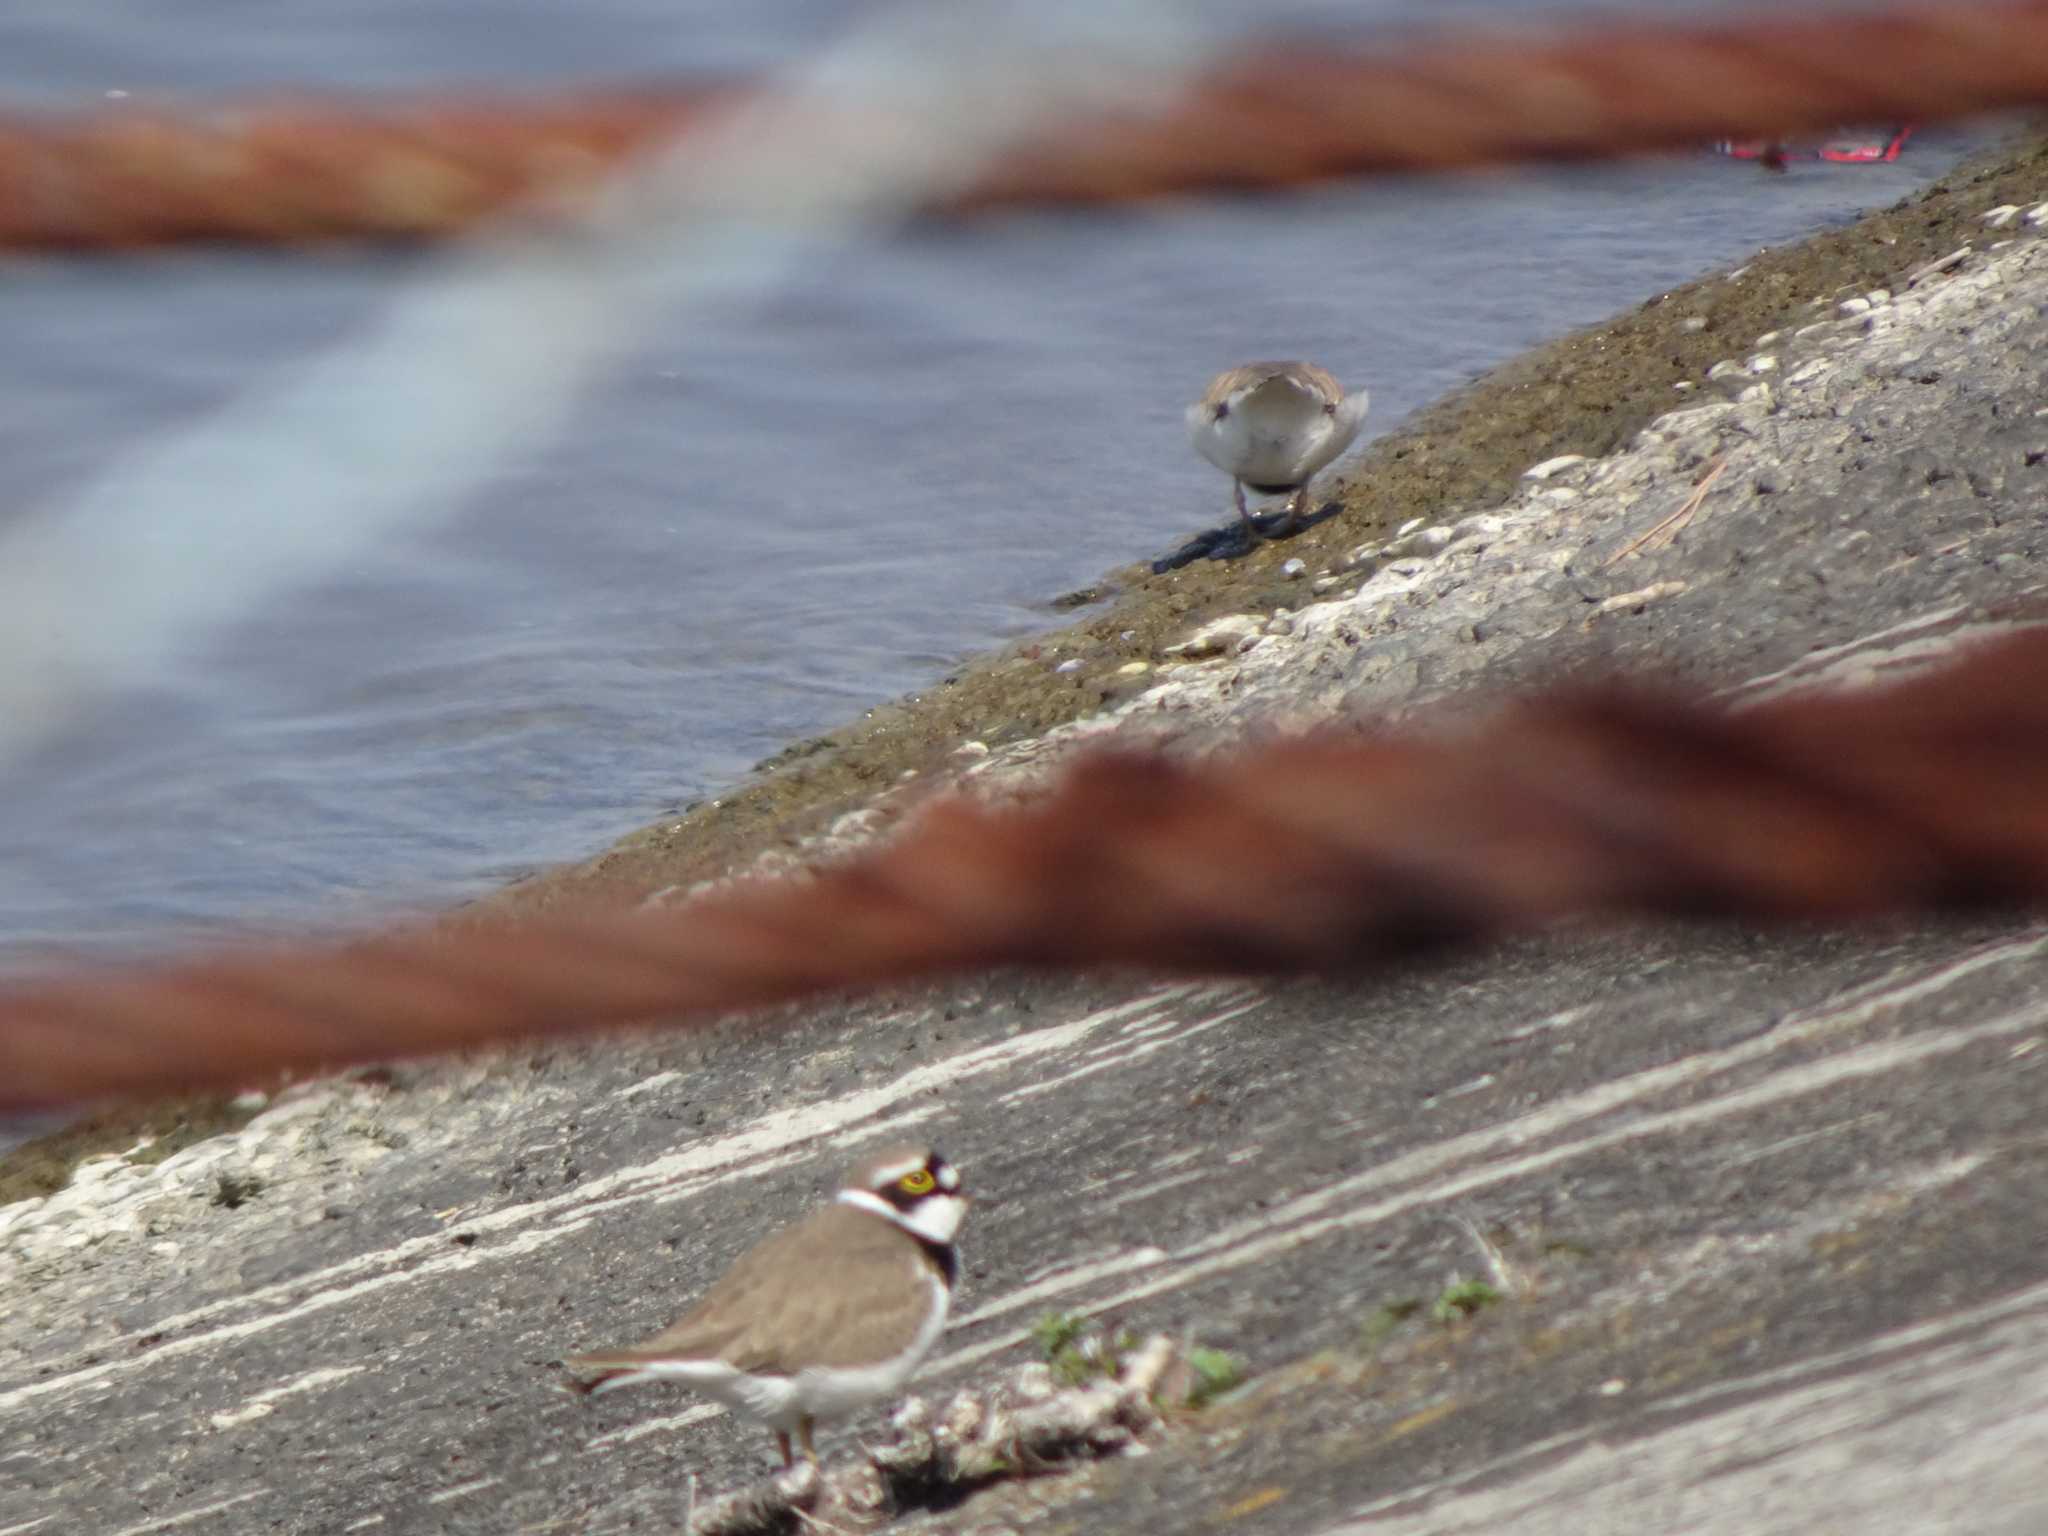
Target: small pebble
[
  {"x": 1410, "y": 526},
  {"x": 2002, "y": 215},
  {"x": 1034, "y": 1383},
  {"x": 1324, "y": 584},
  {"x": 1693, "y": 324},
  {"x": 1756, "y": 394},
  {"x": 1073, "y": 665},
  {"x": 971, "y": 749},
  {"x": 1280, "y": 626},
  {"x": 1727, "y": 368},
  {"x": 1642, "y": 598},
  {"x": 1133, "y": 668},
  {"x": 2036, "y": 216},
  {"x": 1481, "y": 525},
  {"x": 911, "y": 1416},
  {"x": 1767, "y": 338},
  {"x": 1878, "y": 296},
  {"x": 1763, "y": 362},
  {"x": 1248, "y": 643},
  {"x": 1541, "y": 471},
  {"x": 963, "y": 1416},
  {"x": 1850, "y": 308},
  {"x": 1217, "y": 636},
  {"x": 1683, "y": 385},
  {"x": 1423, "y": 541},
  {"x": 1294, "y": 569}
]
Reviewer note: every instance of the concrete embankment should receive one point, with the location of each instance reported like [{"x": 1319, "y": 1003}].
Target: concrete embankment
[{"x": 1758, "y": 1215}]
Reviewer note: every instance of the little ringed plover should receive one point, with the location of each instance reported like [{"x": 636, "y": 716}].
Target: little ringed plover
[
  {"x": 822, "y": 1318},
  {"x": 1272, "y": 426}
]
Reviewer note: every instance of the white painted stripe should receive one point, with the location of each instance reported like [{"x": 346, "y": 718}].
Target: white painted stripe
[
  {"x": 1800, "y": 672},
  {"x": 1954, "y": 1347},
  {"x": 462, "y": 1490},
  {"x": 648, "y": 1085},
  {"x": 1786, "y": 1143},
  {"x": 1296, "y": 1222},
  {"x": 644, "y": 1427},
  {"x": 229, "y": 1333},
  {"x": 1564, "y": 1019},
  {"x": 1155, "y": 1187},
  {"x": 769, "y": 1141},
  {"x": 1866, "y": 663},
  {"x": 171, "y": 1522},
  {"x": 1299, "y": 1221},
  {"x": 1277, "y": 1233},
  {"x": 889, "y": 1125},
  {"x": 1118, "y": 1053},
  {"x": 1069, "y": 1279},
  {"x": 265, "y": 1403}
]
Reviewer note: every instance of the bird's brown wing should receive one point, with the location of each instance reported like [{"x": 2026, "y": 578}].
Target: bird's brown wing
[
  {"x": 1321, "y": 380},
  {"x": 841, "y": 1287}
]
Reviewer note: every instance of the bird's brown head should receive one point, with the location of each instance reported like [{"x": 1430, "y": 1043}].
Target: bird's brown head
[{"x": 915, "y": 1186}]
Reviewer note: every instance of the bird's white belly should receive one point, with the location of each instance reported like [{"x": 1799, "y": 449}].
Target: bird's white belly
[
  {"x": 1263, "y": 454},
  {"x": 833, "y": 1394},
  {"x": 780, "y": 1402}
]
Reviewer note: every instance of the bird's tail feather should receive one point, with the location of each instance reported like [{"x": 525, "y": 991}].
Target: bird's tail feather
[{"x": 587, "y": 1377}]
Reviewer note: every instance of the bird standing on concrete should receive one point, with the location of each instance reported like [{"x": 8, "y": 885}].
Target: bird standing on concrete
[
  {"x": 1272, "y": 426},
  {"x": 824, "y": 1317}
]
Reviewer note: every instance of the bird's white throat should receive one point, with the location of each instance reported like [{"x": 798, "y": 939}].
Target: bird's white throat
[{"x": 936, "y": 1218}]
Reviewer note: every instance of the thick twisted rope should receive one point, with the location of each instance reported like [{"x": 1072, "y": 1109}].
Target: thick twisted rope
[
  {"x": 1322, "y": 854},
  {"x": 294, "y": 172}
]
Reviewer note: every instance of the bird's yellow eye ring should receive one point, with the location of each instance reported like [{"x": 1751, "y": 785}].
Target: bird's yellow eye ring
[{"x": 918, "y": 1183}]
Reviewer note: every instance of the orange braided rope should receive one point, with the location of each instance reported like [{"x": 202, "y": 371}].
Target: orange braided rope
[
  {"x": 1322, "y": 854},
  {"x": 286, "y": 172}
]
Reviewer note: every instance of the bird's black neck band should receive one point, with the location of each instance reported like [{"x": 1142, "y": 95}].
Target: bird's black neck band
[{"x": 945, "y": 1259}]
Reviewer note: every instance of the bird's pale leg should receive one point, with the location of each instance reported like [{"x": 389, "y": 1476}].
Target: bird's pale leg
[
  {"x": 816, "y": 1524},
  {"x": 1297, "y": 508},
  {"x": 782, "y": 1444},
  {"x": 804, "y": 1426},
  {"x": 1250, "y": 526}
]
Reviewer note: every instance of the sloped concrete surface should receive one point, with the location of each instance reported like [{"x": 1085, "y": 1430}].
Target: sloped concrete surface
[{"x": 1763, "y": 1212}]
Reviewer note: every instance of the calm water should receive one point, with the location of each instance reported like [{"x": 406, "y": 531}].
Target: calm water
[{"x": 755, "y": 527}]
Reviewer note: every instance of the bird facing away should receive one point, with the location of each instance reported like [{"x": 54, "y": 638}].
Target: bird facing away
[
  {"x": 824, "y": 1317},
  {"x": 1272, "y": 426}
]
